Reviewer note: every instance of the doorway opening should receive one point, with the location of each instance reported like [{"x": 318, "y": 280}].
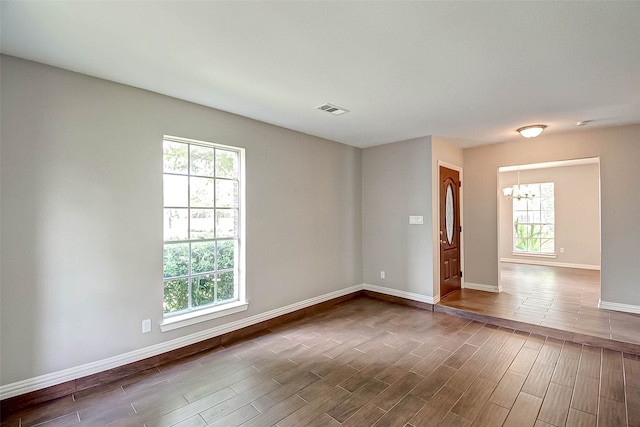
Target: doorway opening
[{"x": 549, "y": 233}]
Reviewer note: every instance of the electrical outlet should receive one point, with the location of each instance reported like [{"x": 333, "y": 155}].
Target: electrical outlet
[
  {"x": 146, "y": 326},
  {"x": 561, "y": 250},
  {"x": 382, "y": 274}
]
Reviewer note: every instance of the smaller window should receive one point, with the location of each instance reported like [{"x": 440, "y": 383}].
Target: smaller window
[{"x": 534, "y": 221}]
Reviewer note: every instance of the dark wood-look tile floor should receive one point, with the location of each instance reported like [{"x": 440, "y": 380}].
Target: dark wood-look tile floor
[
  {"x": 561, "y": 298},
  {"x": 366, "y": 362}
]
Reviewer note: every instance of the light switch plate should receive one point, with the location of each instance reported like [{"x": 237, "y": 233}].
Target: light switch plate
[
  {"x": 416, "y": 219},
  {"x": 146, "y": 326}
]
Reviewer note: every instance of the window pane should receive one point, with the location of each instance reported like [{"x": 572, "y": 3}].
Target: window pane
[
  {"x": 226, "y": 193},
  {"x": 226, "y": 254},
  {"x": 226, "y": 222},
  {"x": 520, "y": 216},
  {"x": 201, "y": 192},
  {"x": 202, "y": 224},
  {"x": 175, "y": 157},
  {"x": 226, "y": 164},
  {"x": 534, "y": 204},
  {"x": 521, "y": 244},
  {"x": 548, "y": 246},
  {"x": 202, "y": 160},
  {"x": 175, "y": 295},
  {"x": 203, "y": 290},
  {"x": 547, "y": 190},
  {"x": 176, "y": 259},
  {"x": 548, "y": 216},
  {"x": 521, "y": 230},
  {"x": 202, "y": 257},
  {"x": 176, "y": 224},
  {"x": 226, "y": 286},
  {"x": 534, "y": 216},
  {"x": 175, "y": 190},
  {"x": 547, "y": 231},
  {"x": 519, "y": 205}
]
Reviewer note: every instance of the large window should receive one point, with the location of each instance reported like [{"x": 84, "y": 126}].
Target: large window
[
  {"x": 201, "y": 193},
  {"x": 534, "y": 221}
]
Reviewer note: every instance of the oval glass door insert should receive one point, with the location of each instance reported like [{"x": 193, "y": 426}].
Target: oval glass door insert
[{"x": 449, "y": 214}]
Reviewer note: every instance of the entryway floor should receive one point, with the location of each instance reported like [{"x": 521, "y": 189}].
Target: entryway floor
[{"x": 559, "y": 299}]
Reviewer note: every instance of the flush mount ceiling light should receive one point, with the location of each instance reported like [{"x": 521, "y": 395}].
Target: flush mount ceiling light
[
  {"x": 531, "y": 131},
  {"x": 333, "y": 109}
]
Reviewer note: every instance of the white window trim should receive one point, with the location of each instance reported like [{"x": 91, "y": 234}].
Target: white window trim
[
  {"x": 170, "y": 323},
  {"x": 193, "y": 317}
]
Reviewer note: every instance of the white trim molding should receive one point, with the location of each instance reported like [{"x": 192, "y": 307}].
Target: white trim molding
[
  {"x": 540, "y": 261},
  {"x": 482, "y": 287},
  {"x": 627, "y": 308},
  {"x": 180, "y": 321},
  {"x": 402, "y": 294},
  {"x": 58, "y": 377}
]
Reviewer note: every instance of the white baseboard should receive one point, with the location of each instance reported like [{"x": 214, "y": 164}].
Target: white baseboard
[
  {"x": 402, "y": 294},
  {"x": 481, "y": 287},
  {"x": 550, "y": 263},
  {"x": 619, "y": 307},
  {"x": 54, "y": 378}
]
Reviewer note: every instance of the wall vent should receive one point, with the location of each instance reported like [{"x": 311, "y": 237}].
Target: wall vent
[{"x": 333, "y": 109}]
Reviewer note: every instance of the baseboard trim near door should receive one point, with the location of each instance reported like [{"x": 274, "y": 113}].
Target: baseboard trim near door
[
  {"x": 409, "y": 298},
  {"x": 626, "y": 308},
  {"x": 540, "y": 261},
  {"x": 481, "y": 287}
]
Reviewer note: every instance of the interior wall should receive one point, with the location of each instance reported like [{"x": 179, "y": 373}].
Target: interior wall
[
  {"x": 442, "y": 151},
  {"x": 396, "y": 183},
  {"x": 81, "y": 215},
  {"x": 577, "y": 213},
  {"x": 619, "y": 151}
]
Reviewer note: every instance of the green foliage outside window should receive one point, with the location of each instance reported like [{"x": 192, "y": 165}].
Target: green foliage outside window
[
  {"x": 531, "y": 237},
  {"x": 203, "y": 287}
]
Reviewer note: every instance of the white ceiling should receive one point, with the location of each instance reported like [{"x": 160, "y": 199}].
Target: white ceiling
[{"x": 469, "y": 72}]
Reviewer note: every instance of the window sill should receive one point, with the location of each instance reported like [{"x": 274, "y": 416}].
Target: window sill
[
  {"x": 187, "y": 319},
  {"x": 552, "y": 256}
]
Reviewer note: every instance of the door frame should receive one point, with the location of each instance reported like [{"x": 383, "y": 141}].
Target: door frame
[
  {"x": 436, "y": 229},
  {"x": 543, "y": 165}
]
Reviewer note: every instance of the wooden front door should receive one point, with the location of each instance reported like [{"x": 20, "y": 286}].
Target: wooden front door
[{"x": 450, "y": 274}]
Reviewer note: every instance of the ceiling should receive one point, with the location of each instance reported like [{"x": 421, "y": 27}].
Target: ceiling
[{"x": 469, "y": 72}]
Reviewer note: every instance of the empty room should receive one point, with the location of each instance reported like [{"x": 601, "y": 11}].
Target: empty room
[{"x": 285, "y": 213}]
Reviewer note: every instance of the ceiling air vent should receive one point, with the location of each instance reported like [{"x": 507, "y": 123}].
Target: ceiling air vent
[{"x": 333, "y": 109}]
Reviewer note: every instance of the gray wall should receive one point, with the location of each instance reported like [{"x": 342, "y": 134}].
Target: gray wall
[
  {"x": 577, "y": 212},
  {"x": 399, "y": 180},
  {"x": 396, "y": 183},
  {"x": 81, "y": 215},
  {"x": 619, "y": 151}
]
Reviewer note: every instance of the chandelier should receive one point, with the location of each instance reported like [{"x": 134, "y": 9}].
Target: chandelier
[{"x": 517, "y": 192}]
